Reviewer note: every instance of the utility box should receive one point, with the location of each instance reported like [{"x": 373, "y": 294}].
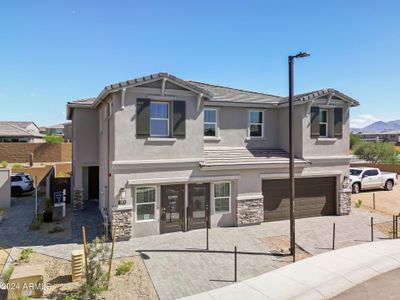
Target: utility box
[
  {"x": 26, "y": 281},
  {"x": 77, "y": 265}
]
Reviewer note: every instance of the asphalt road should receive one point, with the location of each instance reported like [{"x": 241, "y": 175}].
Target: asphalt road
[{"x": 382, "y": 287}]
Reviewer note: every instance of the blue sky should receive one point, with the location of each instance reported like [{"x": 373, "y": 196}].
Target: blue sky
[{"x": 55, "y": 51}]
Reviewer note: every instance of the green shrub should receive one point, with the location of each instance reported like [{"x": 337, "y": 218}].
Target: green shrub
[
  {"x": 4, "y": 164},
  {"x": 124, "y": 267},
  {"x": 53, "y": 139},
  {"x": 17, "y": 165},
  {"x": 25, "y": 254},
  {"x": 36, "y": 222},
  {"x": 377, "y": 152},
  {"x": 358, "y": 204},
  {"x": 7, "y": 274},
  {"x": 48, "y": 204},
  {"x": 24, "y": 298}
]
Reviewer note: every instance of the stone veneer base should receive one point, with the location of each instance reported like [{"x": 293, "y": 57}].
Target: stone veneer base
[
  {"x": 344, "y": 202},
  {"x": 122, "y": 220},
  {"x": 249, "y": 211}
]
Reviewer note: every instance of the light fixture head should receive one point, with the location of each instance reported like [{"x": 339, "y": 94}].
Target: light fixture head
[{"x": 302, "y": 54}]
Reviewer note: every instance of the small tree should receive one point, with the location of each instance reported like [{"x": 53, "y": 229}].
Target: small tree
[
  {"x": 53, "y": 139},
  {"x": 354, "y": 140},
  {"x": 375, "y": 152}
]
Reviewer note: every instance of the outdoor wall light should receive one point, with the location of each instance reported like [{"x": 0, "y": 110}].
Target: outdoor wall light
[{"x": 122, "y": 194}]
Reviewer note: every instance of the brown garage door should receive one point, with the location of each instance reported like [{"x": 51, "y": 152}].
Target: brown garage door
[{"x": 314, "y": 197}]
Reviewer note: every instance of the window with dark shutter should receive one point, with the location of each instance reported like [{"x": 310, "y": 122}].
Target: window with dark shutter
[
  {"x": 179, "y": 119},
  {"x": 315, "y": 128},
  {"x": 142, "y": 117},
  {"x": 338, "y": 122}
]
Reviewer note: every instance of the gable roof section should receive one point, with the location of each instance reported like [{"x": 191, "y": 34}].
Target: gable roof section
[
  {"x": 213, "y": 93},
  {"x": 325, "y": 92}
]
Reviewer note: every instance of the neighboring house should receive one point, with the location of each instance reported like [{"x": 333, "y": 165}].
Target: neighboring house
[
  {"x": 161, "y": 153},
  {"x": 20, "y": 132},
  {"x": 390, "y": 136},
  {"x": 63, "y": 130}
]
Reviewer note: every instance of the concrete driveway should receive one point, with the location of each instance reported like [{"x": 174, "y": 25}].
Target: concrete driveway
[{"x": 385, "y": 201}]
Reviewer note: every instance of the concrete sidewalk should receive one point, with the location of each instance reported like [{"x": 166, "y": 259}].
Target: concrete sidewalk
[{"x": 320, "y": 277}]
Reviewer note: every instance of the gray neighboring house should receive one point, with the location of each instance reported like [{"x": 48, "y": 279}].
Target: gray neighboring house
[
  {"x": 160, "y": 154},
  {"x": 389, "y": 136},
  {"x": 20, "y": 132},
  {"x": 63, "y": 129}
]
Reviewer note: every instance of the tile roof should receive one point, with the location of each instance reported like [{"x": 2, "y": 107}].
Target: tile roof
[
  {"x": 230, "y": 156},
  {"x": 22, "y": 124},
  {"x": 214, "y": 93},
  {"x": 10, "y": 129},
  {"x": 228, "y": 94}
]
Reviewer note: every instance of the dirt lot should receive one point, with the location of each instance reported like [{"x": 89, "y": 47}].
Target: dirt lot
[
  {"x": 134, "y": 285},
  {"x": 385, "y": 201}
]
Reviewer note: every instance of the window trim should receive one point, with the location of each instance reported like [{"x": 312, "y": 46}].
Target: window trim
[
  {"x": 155, "y": 203},
  {"x": 249, "y": 125},
  {"x": 326, "y": 123},
  {"x": 216, "y": 124},
  {"x": 230, "y": 197},
  {"x": 163, "y": 119}
]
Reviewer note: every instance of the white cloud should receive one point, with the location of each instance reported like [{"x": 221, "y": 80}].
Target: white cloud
[
  {"x": 361, "y": 121},
  {"x": 33, "y": 94}
]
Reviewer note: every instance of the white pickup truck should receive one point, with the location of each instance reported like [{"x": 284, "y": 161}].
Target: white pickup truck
[{"x": 371, "y": 178}]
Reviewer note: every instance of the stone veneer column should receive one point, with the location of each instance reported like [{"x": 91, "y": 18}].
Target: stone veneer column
[
  {"x": 78, "y": 202},
  {"x": 249, "y": 209},
  {"x": 122, "y": 219},
  {"x": 345, "y": 201}
]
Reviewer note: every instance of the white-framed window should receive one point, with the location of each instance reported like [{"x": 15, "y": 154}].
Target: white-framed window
[
  {"x": 109, "y": 109},
  {"x": 159, "y": 119},
  {"x": 145, "y": 203},
  {"x": 256, "y": 123},
  {"x": 222, "y": 197},
  {"x": 210, "y": 122},
  {"x": 323, "y": 122}
]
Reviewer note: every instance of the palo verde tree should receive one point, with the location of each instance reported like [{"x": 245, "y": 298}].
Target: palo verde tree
[{"x": 377, "y": 152}]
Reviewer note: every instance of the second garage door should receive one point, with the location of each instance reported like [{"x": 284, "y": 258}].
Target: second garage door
[{"x": 314, "y": 197}]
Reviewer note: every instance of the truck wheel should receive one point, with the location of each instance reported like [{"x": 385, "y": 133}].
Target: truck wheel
[
  {"x": 356, "y": 188},
  {"x": 389, "y": 185}
]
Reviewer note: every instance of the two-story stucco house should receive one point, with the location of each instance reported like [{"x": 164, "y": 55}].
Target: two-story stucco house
[{"x": 161, "y": 153}]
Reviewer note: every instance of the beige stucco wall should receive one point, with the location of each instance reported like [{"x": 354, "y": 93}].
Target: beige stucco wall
[
  {"x": 85, "y": 142},
  {"x": 5, "y": 188}
]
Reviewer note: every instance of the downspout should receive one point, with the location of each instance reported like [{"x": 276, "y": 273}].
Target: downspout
[{"x": 108, "y": 170}]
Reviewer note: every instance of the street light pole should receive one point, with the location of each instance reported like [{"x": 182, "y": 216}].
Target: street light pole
[{"x": 291, "y": 156}]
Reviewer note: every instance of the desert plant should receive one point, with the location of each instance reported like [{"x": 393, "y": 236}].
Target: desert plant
[
  {"x": 24, "y": 298},
  {"x": 17, "y": 165},
  {"x": 354, "y": 140},
  {"x": 98, "y": 256},
  {"x": 48, "y": 204},
  {"x": 4, "y": 164},
  {"x": 124, "y": 267},
  {"x": 36, "y": 222},
  {"x": 376, "y": 152},
  {"x": 53, "y": 139},
  {"x": 25, "y": 254},
  {"x": 7, "y": 274},
  {"x": 358, "y": 204}
]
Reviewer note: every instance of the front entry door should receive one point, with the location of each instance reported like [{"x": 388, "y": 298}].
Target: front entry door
[
  {"x": 172, "y": 208},
  {"x": 198, "y": 205}
]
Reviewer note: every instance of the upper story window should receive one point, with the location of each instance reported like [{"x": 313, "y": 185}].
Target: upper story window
[
  {"x": 159, "y": 119},
  {"x": 256, "y": 123},
  {"x": 323, "y": 122},
  {"x": 326, "y": 122},
  {"x": 210, "y": 122}
]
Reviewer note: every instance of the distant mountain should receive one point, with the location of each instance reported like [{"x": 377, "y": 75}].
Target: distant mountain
[{"x": 379, "y": 126}]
